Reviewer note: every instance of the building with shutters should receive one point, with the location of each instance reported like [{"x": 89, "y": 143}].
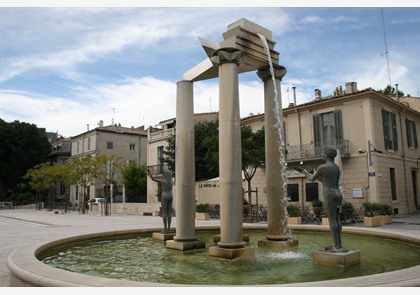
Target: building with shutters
[{"x": 377, "y": 137}]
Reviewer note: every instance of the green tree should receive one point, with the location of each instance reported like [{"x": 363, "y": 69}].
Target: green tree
[
  {"x": 135, "y": 181},
  {"x": 391, "y": 91},
  {"x": 108, "y": 169},
  {"x": 83, "y": 174},
  {"x": 42, "y": 178},
  {"x": 253, "y": 153},
  {"x": 22, "y": 146},
  {"x": 206, "y": 139},
  {"x": 207, "y": 151}
]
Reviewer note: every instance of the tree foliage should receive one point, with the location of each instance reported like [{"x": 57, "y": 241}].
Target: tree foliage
[
  {"x": 253, "y": 153},
  {"x": 206, "y": 142},
  {"x": 207, "y": 151},
  {"x": 83, "y": 173},
  {"x": 391, "y": 91},
  {"x": 22, "y": 146},
  {"x": 135, "y": 181}
]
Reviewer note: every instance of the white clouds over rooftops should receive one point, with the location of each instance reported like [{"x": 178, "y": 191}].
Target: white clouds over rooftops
[{"x": 64, "y": 68}]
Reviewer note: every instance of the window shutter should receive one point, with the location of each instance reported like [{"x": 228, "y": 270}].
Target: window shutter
[
  {"x": 338, "y": 122},
  {"x": 416, "y": 145},
  {"x": 317, "y": 134},
  {"x": 408, "y": 128},
  {"x": 394, "y": 132},
  {"x": 386, "y": 128}
]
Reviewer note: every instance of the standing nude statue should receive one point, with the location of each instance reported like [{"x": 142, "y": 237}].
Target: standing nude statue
[
  {"x": 329, "y": 174},
  {"x": 166, "y": 198}
]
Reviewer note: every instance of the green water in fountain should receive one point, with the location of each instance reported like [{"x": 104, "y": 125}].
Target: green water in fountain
[{"x": 142, "y": 258}]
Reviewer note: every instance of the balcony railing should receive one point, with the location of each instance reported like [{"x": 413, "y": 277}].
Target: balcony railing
[
  {"x": 161, "y": 135},
  {"x": 157, "y": 170},
  {"x": 314, "y": 150}
]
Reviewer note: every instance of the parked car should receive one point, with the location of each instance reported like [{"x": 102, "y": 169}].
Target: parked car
[{"x": 97, "y": 200}]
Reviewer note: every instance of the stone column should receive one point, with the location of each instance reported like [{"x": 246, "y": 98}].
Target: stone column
[
  {"x": 276, "y": 202},
  {"x": 185, "y": 238},
  {"x": 231, "y": 243}
]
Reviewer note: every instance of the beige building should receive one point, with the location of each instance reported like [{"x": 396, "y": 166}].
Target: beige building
[
  {"x": 127, "y": 143},
  {"x": 378, "y": 141},
  {"x": 157, "y": 142}
]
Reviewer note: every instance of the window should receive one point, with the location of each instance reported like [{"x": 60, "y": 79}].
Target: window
[
  {"x": 110, "y": 145},
  {"x": 311, "y": 192},
  {"x": 132, "y": 147},
  {"x": 411, "y": 133},
  {"x": 393, "y": 184},
  {"x": 89, "y": 140},
  {"x": 78, "y": 147},
  {"x": 293, "y": 192},
  {"x": 160, "y": 158},
  {"x": 389, "y": 123},
  {"x": 328, "y": 130}
]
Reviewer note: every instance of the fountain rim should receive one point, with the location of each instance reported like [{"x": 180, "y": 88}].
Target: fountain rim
[{"x": 27, "y": 270}]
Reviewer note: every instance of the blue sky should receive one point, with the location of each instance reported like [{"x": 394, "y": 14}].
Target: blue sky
[{"x": 64, "y": 68}]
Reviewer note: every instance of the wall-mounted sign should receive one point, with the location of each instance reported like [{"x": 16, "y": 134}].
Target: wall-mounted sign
[
  {"x": 294, "y": 174},
  {"x": 357, "y": 193},
  {"x": 371, "y": 173}
]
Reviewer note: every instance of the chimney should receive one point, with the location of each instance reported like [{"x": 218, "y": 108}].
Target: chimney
[
  {"x": 294, "y": 95},
  {"x": 101, "y": 123},
  {"x": 317, "y": 94},
  {"x": 351, "y": 87}
]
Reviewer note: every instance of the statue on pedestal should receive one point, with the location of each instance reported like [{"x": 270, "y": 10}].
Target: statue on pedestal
[
  {"x": 329, "y": 175},
  {"x": 166, "y": 198}
]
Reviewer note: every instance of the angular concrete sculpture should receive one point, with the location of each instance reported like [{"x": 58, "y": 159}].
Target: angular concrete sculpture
[{"x": 241, "y": 51}]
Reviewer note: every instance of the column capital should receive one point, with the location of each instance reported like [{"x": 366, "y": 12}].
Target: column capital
[
  {"x": 264, "y": 72},
  {"x": 227, "y": 54}
]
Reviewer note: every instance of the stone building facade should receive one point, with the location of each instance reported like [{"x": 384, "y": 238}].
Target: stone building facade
[
  {"x": 378, "y": 141},
  {"x": 157, "y": 142},
  {"x": 127, "y": 143}
]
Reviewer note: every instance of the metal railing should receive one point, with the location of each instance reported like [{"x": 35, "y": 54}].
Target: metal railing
[{"x": 314, "y": 150}]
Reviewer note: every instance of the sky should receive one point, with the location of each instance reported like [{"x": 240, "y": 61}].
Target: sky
[{"x": 66, "y": 68}]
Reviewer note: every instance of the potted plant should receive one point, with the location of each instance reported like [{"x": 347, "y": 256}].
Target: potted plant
[
  {"x": 346, "y": 213},
  {"x": 202, "y": 211},
  {"x": 320, "y": 212},
  {"x": 370, "y": 217},
  {"x": 385, "y": 213},
  {"x": 294, "y": 214}
]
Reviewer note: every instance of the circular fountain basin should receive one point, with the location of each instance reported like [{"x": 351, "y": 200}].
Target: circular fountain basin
[{"x": 27, "y": 269}]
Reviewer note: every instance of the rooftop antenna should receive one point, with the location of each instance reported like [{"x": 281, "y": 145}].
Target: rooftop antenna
[
  {"x": 386, "y": 47},
  {"x": 113, "y": 113}
]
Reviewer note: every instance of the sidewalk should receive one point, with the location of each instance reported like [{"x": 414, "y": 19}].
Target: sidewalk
[{"x": 22, "y": 227}]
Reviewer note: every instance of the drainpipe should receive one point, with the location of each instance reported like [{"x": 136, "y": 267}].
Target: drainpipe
[
  {"x": 300, "y": 141},
  {"x": 403, "y": 150}
]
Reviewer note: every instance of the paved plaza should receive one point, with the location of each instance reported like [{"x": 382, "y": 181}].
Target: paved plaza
[{"x": 22, "y": 227}]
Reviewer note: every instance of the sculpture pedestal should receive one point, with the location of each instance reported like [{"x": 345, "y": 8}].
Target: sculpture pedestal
[
  {"x": 163, "y": 237},
  {"x": 231, "y": 253},
  {"x": 217, "y": 238},
  {"x": 278, "y": 245},
  {"x": 336, "y": 258},
  {"x": 185, "y": 245}
]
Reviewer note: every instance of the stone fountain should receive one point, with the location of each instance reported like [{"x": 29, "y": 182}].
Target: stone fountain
[{"x": 242, "y": 50}]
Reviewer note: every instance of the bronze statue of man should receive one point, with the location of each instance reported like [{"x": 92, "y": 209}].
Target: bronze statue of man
[
  {"x": 329, "y": 174},
  {"x": 166, "y": 198}
]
